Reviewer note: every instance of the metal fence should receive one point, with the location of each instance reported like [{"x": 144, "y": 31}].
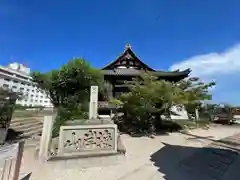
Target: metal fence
[{"x": 10, "y": 160}]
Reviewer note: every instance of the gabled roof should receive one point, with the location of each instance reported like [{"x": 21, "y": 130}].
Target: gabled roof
[
  {"x": 112, "y": 70},
  {"x": 127, "y": 53}
]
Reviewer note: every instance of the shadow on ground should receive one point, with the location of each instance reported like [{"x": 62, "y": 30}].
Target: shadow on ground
[
  {"x": 192, "y": 163},
  {"x": 13, "y": 135}
]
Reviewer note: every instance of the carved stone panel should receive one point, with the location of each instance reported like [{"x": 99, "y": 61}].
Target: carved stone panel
[{"x": 88, "y": 139}]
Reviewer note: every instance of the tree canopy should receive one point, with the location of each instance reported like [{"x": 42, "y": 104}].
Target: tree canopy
[
  {"x": 150, "y": 97},
  {"x": 70, "y": 84},
  {"x": 69, "y": 89}
]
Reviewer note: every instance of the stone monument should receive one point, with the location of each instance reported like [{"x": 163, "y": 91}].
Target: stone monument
[
  {"x": 93, "y": 105},
  {"x": 88, "y": 140},
  {"x": 92, "y": 138}
]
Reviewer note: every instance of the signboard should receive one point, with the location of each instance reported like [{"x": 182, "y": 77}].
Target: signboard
[{"x": 88, "y": 140}]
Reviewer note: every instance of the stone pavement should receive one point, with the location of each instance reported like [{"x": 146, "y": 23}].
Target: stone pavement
[
  {"x": 170, "y": 157},
  {"x": 213, "y": 161}
]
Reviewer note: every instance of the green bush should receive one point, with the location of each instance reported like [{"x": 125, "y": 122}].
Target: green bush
[
  {"x": 68, "y": 114},
  {"x": 69, "y": 89}
]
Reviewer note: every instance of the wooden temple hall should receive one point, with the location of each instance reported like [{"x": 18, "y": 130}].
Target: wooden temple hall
[{"x": 128, "y": 65}]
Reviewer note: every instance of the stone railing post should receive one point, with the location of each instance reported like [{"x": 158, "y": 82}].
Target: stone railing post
[
  {"x": 46, "y": 137},
  {"x": 18, "y": 160}
]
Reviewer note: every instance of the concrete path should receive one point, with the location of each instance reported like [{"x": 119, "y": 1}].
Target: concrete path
[{"x": 170, "y": 157}]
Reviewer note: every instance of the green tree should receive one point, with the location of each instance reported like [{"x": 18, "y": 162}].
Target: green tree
[
  {"x": 70, "y": 84},
  {"x": 150, "y": 97},
  {"x": 195, "y": 92},
  {"x": 69, "y": 88}
]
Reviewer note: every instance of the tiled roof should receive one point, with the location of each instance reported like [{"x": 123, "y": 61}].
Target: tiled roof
[{"x": 135, "y": 72}]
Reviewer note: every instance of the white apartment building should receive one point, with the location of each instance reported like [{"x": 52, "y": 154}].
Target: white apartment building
[{"x": 17, "y": 77}]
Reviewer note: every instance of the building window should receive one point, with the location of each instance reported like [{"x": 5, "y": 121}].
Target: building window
[
  {"x": 36, "y": 95},
  {"x": 7, "y": 79},
  {"x": 27, "y": 89},
  {"x": 14, "y": 87},
  {"x": 32, "y": 90},
  {"x": 41, "y": 97},
  {"x": 40, "y": 101},
  {"x": 22, "y": 83},
  {"x": 36, "y": 100},
  {"x": 15, "y": 81}
]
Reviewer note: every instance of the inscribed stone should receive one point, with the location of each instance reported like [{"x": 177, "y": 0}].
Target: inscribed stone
[{"x": 88, "y": 139}]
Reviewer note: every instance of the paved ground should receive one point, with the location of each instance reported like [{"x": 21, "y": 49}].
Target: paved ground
[{"x": 169, "y": 157}]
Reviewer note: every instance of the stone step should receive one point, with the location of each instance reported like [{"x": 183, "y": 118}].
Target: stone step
[
  {"x": 25, "y": 119},
  {"x": 23, "y": 122},
  {"x": 33, "y": 132},
  {"x": 22, "y": 118},
  {"x": 24, "y": 127},
  {"x": 30, "y": 129}
]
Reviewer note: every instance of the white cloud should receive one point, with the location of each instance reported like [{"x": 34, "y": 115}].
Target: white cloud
[
  {"x": 222, "y": 67},
  {"x": 212, "y": 64}
]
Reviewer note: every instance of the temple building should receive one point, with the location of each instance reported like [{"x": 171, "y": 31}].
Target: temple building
[{"x": 128, "y": 66}]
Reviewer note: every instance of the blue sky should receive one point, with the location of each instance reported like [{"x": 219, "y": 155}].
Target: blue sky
[{"x": 166, "y": 34}]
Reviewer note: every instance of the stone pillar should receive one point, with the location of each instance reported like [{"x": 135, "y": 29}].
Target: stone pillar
[
  {"x": 196, "y": 114},
  {"x": 18, "y": 160},
  {"x": 93, "y": 105},
  {"x": 46, "y": 137}
]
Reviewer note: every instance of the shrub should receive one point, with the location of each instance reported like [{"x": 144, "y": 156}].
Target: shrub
[
  {"x": 150, "y": 98},
  {"x": 67, "y": 114}
]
